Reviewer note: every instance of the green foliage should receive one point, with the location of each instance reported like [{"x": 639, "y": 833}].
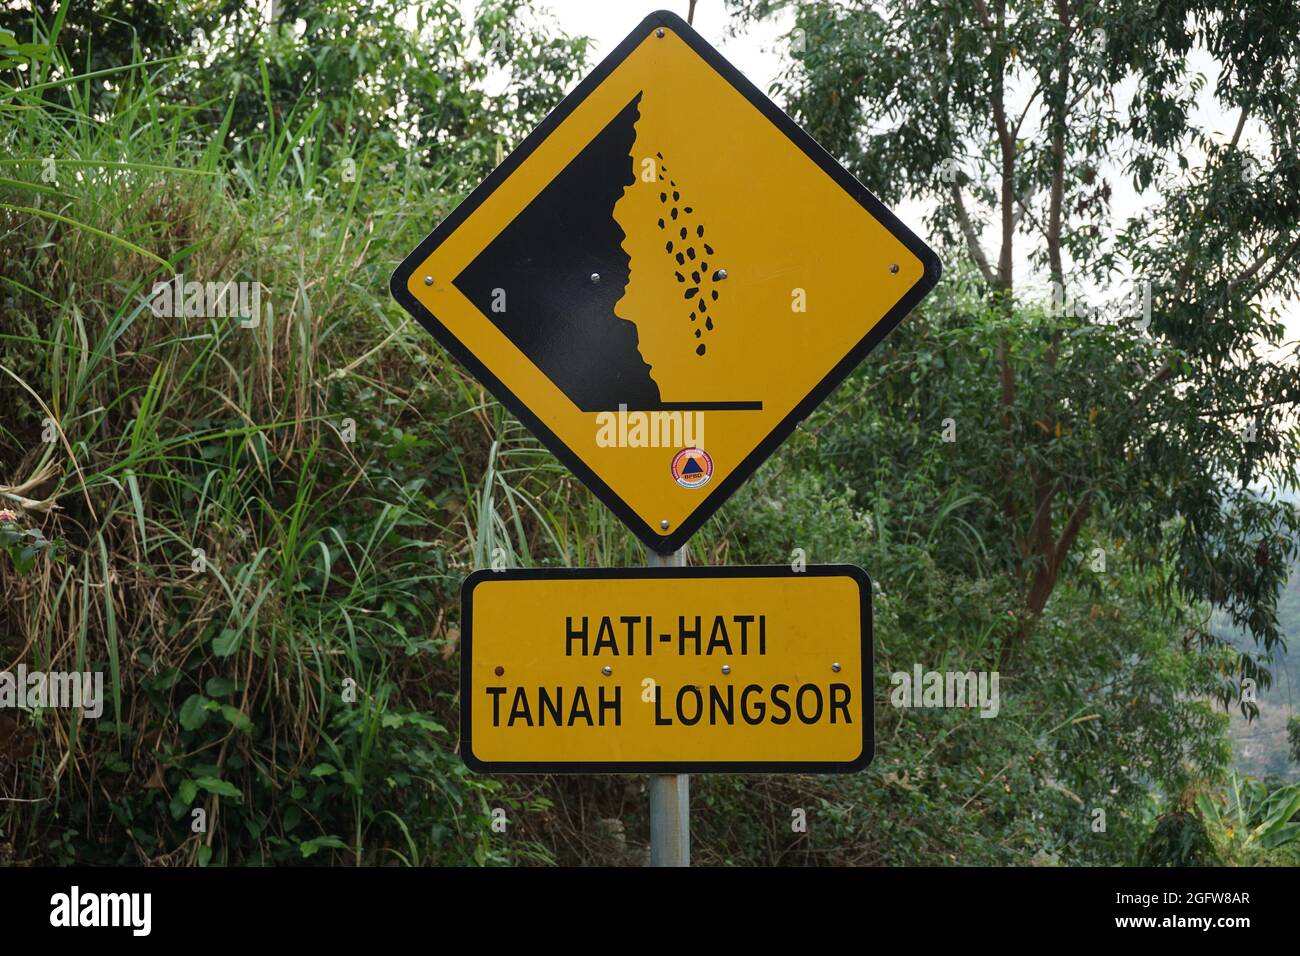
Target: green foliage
[
  {"x": 1005, "y": 118},
  {"x": 275, "y": 605},
  {"x": 385, "y": 84},
  {"x": 1180, "y": 838},
  {"x": 23, "y": 545},
  {"x": 1104, "y": 709},
  {"x": 267, "y": 600},
  {"x": 1251, "y": 817}
]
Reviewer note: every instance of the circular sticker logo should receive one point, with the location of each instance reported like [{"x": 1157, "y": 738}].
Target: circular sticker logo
[{"x": 692, "y": 467}]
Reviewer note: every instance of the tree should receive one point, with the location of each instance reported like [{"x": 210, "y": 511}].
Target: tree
[
  {"x": 110, "y": 33},
  {"x": 398, "y": 79},
  {"x": 1015, "y": 117}
]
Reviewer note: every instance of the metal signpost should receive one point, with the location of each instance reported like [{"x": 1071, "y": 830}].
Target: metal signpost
[
  {"x": 670, "y": 793},
  {"x": 661, "y": 282}
]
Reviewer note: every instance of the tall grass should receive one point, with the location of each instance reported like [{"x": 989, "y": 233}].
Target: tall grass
[{"x": 272, "y": 603}]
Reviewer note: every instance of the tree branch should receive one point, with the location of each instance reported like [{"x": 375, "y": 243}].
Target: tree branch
[
  {"x": 1246, "y": 409},
  {"x": 1023, "y": 202},
  {"x": 1015, "y": 130},
  {"x": 1053, "y": 234},
  {"x": 1185, "y": 274},
  {"x": 1044, "y": 582},
  {"x": 1241, "y": 124},
  {"x": 1258, "y": 264},
  {"x": 972, "y": 239}
]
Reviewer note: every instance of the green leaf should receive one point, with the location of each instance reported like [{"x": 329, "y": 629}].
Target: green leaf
[
  {"x": 1287, "y": 803},
  {"x": 310, "y": 847},
  {"x": 238, "y": 719},
  {"x": 219, "y": 687},
  {"x": 116, "y": 764},
  {"x": 194, "y": 712},
  {"x": 188, "y": 791},
  {"x": 426, "y": 723},
  {"x": 56, "y": 217},
  {"x": 1209, "y": 809},
  {"x": 220, "y": 787},
  {"x": 323, "y": 770},
  {"x": 226, "y": 643},
  {"x": 168, "y": 679},
  {"x": 1274, "y": 838}
]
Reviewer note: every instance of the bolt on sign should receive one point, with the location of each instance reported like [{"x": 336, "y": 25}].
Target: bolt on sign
[
  {"x": 664, "y": 279},
  {"x": 667, "y": 670}
]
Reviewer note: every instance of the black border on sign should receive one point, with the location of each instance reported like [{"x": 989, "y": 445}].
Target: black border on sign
[
  {"x": 683, "y": 766},
  {"x": 649, "y": 534}
]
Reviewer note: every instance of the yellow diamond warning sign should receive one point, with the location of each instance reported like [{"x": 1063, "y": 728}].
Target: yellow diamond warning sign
[
  {"x": 667, "y": 670},
  {"x": 664, "y": 279}
]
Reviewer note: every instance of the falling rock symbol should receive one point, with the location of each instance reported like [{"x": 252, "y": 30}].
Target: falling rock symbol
[{"x": 683, "y": 248}]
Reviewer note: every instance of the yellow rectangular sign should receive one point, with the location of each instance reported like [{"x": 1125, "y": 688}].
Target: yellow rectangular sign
[{"x": 667, "y": 670}]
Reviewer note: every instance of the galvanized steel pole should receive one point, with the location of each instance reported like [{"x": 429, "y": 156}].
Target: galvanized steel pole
[{"x": 670, "y": 794}]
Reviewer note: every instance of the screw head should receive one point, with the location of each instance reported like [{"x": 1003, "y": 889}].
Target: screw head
[
  {"x": 726, "y": 668},
  {"x": 836, "y": 667},
  {"x": 893, "y": 269},
  {"x": 428, "y": 280},
  {"x": 719, "y": 275},
  {"x": 660, "y": 33},
  {"x": 664, "y": 524},
  {"x": 607, "y": 670},
  {"x": 595, "y": 277},
  {"x": 499, "y": 670}
]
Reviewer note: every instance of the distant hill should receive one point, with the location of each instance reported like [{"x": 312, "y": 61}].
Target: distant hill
[{"x": 1260, "y": 746}]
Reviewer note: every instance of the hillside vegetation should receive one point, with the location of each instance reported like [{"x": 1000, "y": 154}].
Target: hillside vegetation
[{"x": 258, "y": 532}]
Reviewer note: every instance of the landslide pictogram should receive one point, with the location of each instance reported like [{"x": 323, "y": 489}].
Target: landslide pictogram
[
  {"x": 560, "y": 268},
  {"x": 560, "y": 282}
]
